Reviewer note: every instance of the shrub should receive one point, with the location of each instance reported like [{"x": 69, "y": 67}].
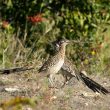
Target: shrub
[{"x": 37, "y": 22}]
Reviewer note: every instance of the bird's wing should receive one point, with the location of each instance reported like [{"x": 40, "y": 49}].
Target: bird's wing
[
  {"x": 44, "y": 67},
  {"x": 47, "y": 64}
]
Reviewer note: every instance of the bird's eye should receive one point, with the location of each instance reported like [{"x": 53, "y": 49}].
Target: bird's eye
[{"x": 57, "y": 45}]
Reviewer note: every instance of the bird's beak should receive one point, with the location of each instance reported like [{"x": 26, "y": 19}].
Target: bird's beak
[
  {"x": 75, "y": 41},
  {"x": 68, "y": 41}
]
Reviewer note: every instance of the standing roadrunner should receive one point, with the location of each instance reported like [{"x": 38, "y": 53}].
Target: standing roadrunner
[
  {"x": 70, "y": 70},
  {"x": 54, "y": 62}
]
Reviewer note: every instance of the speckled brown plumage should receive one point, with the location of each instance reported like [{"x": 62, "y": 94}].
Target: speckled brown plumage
[{"x": 54, "y": 62}]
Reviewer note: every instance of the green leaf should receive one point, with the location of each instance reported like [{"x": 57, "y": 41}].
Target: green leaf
[{"x": 9, "y": 3}]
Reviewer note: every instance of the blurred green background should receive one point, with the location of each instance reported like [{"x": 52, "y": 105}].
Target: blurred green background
[{"x": 27, "y": 28}]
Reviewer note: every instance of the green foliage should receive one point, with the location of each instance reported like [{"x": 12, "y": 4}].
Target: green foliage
[
  {"x": 18, "y": 103},
  {"x": 34, "y": 23}
]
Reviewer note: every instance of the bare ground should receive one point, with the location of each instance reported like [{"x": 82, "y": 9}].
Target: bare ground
[{"x": 74, "y": 96}]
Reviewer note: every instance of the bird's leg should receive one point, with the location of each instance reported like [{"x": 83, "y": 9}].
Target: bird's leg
[
  {"x": 57, "y": 81},
  {"x": 67, "y": 78},
  {"x": 51, "y": 81}
]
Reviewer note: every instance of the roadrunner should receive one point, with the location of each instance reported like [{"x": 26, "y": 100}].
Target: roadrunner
[
  {"x": 54, "y": 62},
  {"x": 70, "y": 70},
  {"x": 51, "y": 66}
]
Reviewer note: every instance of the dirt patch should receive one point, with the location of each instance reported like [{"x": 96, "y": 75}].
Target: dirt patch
[{"x": 74, "y": 96}]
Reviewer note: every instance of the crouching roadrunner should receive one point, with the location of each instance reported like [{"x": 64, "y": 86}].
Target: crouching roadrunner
[
  {"x": 70, "y": 70},
  {"x": 54, "y": 62}
]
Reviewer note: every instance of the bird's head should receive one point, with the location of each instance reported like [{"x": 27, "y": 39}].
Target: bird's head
[{"x": 62, "y": 42}]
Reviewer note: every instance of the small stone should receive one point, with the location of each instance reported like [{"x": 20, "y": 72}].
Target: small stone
[
  {"x": 86, "y": 104},
  {"x": 11, "y": 89}
]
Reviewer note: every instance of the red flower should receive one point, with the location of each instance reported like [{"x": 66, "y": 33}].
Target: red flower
[
  {"x": 5, "y": 24},
  {"x": 35, "y": 19}
]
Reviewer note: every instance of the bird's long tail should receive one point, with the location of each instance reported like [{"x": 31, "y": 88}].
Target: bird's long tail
[
  {"x": 94, "y": 86},
  {"x": 16, "y": 69}
]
